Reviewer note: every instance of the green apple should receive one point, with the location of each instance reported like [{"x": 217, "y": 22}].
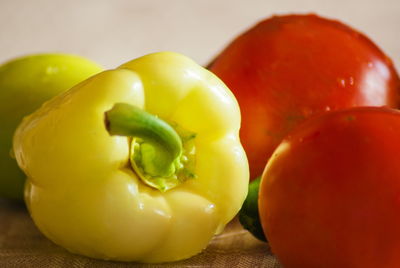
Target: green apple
[{"x": 25, "y": 83}]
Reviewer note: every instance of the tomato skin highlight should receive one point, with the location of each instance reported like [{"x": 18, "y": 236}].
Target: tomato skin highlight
[
  {"x": 289, "y": 68},
  {"x": 330, "y": 195}
]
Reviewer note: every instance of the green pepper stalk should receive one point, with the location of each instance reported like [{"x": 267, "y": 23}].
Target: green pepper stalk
[{"x": 159, "y": 156}]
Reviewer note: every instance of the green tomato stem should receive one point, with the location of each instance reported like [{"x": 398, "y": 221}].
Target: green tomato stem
[{"x": 157, "y": 149}]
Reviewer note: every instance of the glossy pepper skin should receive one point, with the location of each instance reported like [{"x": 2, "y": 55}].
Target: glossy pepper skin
[
  {"x": 82, "y": 192},
  {"x": 289, "y": 68}
]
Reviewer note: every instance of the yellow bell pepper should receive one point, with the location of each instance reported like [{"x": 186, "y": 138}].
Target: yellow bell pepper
[{"x": 141, "y": 163}]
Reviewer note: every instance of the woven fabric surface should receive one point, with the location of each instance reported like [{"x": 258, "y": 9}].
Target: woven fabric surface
[{"x": 22, "y": 245}]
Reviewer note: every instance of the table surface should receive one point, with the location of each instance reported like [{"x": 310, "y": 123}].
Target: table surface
[{"x": 113, "y": 32}]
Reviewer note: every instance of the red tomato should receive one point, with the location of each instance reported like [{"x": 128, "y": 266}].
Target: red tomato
[
  {"x": 288, "y": 68},
  {"x": 330, "y": 194}
]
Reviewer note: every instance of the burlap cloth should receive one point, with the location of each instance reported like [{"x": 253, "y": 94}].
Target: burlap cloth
[{"x": 22, "y": 245}]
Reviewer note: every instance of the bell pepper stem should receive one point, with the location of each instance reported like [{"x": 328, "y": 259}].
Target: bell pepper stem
[{"x": 160, "y": 146}]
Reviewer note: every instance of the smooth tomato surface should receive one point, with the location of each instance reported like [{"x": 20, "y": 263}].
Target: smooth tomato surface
[
  {"x": 288, "y": 68},
  {"x": 330, "y": 195}
]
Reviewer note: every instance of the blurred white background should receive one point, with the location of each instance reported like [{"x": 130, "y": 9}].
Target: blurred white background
[{"x": 112, "y": 32}]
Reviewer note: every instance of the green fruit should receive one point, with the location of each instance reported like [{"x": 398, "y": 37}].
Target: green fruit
[
  {"x": 25, "y": 83},
  {"x": 248, "y": 215}
]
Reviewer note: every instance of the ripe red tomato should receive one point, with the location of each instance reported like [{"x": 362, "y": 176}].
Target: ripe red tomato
[
  {"x": 288, "y": 68},
  {"x": 330, "y": 194}
]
